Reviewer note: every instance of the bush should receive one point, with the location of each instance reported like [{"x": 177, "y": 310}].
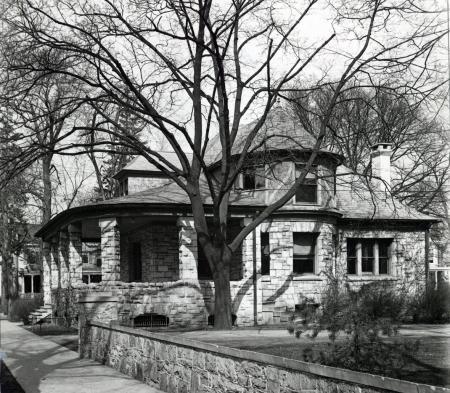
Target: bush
[
  {"x": 431, "y": 305},
  {"x": 356, "y": 320},
  {"x": 21, "y": 308}
]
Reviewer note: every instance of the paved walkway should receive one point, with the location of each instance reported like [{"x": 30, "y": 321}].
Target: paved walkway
[{"x": 42, "y": 366}]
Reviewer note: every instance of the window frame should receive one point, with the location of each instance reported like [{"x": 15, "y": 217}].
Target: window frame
[
  {"x": 247, "y": 172},
  {"x": 310, "y": 176},
  {"x": 360, "y": 258},
  {"x": 265, "y": 258}
]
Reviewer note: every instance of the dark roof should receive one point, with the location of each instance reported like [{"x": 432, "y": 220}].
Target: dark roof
[
  {"x": 358, "y": 199},
  {"x": 280, "y": 131},
  {"x": 140, "y": 165}
]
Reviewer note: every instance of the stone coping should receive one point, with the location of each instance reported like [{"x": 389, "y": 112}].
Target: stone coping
[
  {"x": 356, "y": 377},
  {"x": 100, "y": 297}
]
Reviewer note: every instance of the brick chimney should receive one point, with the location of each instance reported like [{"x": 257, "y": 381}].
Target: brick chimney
[{"x": 381, "y": 165}]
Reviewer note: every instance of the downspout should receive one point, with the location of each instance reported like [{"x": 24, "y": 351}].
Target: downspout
[
  {"x": 427, "y": 257},
  {"x": 255, "y": 281}
]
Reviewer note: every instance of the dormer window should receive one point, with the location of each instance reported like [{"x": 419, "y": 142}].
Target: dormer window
[
  {"x": 306, "y": 192},
  {"x": 253, "y": 178}
]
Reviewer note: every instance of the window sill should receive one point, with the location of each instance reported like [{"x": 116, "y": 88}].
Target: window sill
[
  {"x": 265, "y": 278},
  {"x": 308, "y": 277},
  {"x": 371, "y": 277}
]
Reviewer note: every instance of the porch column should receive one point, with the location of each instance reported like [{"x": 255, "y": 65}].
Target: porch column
[
  {"x": 358, "y": 259},
  {"x": 110, "y": 249},
  {"x": 47, "y": 273},
  {"x": 54, "y": 264},
  {"x": 188, "y": 252},
  {"x": 251, "y": 305},
  {"x": 75, "y": 250},
  {"x": 63, "y": 257}
]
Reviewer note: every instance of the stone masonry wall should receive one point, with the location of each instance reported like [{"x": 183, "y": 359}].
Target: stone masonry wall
[
  {"x": 159, "y": 252},
  {"x": 177, "y": 365},
  {"x": 407, "y": 259},
  {"x": 283, "y": 289}
]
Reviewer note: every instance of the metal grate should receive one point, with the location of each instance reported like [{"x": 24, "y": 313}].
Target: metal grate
[{"x": 151, "y": 320}]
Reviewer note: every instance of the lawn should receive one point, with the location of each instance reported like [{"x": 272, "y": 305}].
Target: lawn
[{"x": 430, "y": 364}]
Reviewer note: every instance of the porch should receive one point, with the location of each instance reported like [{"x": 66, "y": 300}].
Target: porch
[{"x": 147, "y": 266}]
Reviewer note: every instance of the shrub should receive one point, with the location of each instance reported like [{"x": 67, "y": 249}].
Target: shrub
[
  {"x": 432, "y": 305},
  {"x": 356, "y": 320},
  {"x": 21, "y": 308}
]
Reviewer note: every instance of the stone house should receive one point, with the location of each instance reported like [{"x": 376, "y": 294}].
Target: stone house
[{"x": 153, "y": 272}]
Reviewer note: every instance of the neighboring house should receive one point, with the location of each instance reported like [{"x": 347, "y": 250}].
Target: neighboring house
[
  {"x": 152, "y": 268},
  {"x": 27, "y": 264}
]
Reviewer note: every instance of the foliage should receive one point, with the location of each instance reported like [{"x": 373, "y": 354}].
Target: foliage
[
  {"x": 431, "y": 305},
  {"x": 362, "y": 326},
  {"x": 21, "y": 308},
  {"x": 66, "y": 310}
]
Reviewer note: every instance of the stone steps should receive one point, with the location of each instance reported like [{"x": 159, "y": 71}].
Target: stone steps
[{"x": 39, "y": 315}]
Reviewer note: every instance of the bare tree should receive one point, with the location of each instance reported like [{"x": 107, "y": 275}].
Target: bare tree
[
  {"x": 188, "y": 69},
  {"x": 364, "y": 116}
]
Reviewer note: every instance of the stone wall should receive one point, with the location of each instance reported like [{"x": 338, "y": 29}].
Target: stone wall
[
  {"x": 407, "y": 259},
  {"x": 178, "y": 365},
  {"x": 159, "y": 252},
  {"x": 283, "y": 289}
]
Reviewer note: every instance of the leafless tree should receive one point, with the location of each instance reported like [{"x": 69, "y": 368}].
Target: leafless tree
[
  {"x": 189, "y": 69},
  {"x": 364, "y": 116}
]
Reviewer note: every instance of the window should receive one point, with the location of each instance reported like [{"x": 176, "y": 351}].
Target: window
[
  {"x": 351, "y": 256},
  {"x": 27, "y": 279},
  {"x": 265, "y": 254},
  {"x": 91, "y": 278},
  {"x": 368, "y": 256},
  {"x": 254, "y": 178},
  {"x": 306, "y": 192},
  {"x": 37, "y": 283},
  {"x": 135, "y": 262},
  {"x": 32, "y": 283},
  {"x": 383, "y": 256},
  {"x": 304, "y": 252}
]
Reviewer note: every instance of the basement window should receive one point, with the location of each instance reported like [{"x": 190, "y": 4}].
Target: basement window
[{"x": 151, "y": 320}]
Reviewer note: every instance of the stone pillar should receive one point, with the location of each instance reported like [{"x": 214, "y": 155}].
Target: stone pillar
[
  {"x": 251, "y": 258},
  {"x": 63, "y": 257},
  {"x": 47, "y": 273},
  {"x": 54, "y": 264},
  {"x": 75, "y": 254},
  {"x": 110, "y": 249},
  {"x": 188, "y": 252}
]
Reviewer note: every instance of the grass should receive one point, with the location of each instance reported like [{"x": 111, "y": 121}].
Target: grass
[{"x": 428, "y": 366}]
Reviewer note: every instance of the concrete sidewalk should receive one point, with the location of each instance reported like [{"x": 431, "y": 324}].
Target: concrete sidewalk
[{"x": 42, "y": 366}]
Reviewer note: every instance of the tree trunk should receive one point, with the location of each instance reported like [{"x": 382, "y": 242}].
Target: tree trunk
[
  {"x": 5, "y": 286},
  {"x": 220, "y": 260},
  {"x": 46, "y": 189}
]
